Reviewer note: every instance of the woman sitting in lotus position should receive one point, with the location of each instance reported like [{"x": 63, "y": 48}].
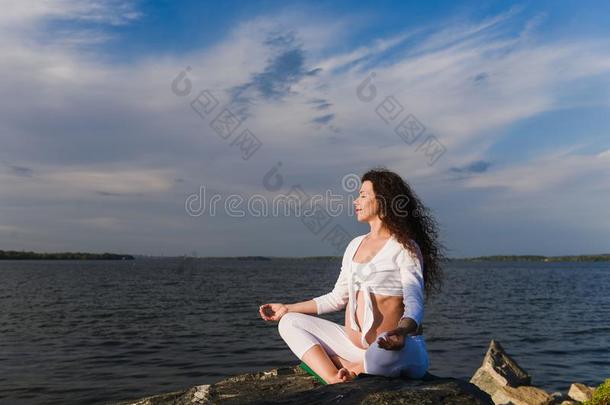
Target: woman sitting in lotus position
[{"x": 382, "y": 281}]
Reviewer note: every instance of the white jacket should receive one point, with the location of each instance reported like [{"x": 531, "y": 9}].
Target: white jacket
[{"x": 392, "y": 271}]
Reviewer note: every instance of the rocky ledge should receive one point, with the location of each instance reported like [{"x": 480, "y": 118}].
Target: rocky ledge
[{"x": 499, "y": 380}]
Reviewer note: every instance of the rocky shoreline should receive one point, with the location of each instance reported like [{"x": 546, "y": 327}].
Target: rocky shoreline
[{"x": 499, "y": 380}]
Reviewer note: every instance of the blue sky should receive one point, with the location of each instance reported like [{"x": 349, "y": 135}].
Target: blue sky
[{"x": 100, "y": 155}]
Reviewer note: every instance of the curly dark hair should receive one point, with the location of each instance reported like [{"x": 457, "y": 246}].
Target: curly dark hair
[{"x": 402, "y": 212}]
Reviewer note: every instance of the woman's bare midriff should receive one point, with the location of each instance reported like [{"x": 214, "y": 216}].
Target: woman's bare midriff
[{"x": 387, "y": 311}]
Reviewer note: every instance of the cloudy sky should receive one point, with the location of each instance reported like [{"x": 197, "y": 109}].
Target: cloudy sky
[{"x": 109, "y": 135}]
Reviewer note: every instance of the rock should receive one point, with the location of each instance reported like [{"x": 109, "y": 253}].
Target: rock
[
  {"x": 524, "y": 395},
  {"x": 507, "y": 383},
  {"x": 499, "y": 370},
  {"x": 558, "y": 398},
  {"x": 580, "y": 392},
  {"x": 292, "y": 385}
]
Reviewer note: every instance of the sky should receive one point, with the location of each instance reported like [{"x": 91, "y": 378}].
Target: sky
[{"x": 119, "y": 120}]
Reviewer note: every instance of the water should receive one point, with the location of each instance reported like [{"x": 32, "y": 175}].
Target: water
[{"x": 76, "y": 332}]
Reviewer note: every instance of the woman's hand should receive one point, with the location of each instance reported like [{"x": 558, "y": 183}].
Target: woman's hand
[
  {"x": 272, "y": 312},
  {"x": 394, "y": 339}
]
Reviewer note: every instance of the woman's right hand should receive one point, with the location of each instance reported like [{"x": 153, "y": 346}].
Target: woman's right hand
[{"x": 272, "y": 312}]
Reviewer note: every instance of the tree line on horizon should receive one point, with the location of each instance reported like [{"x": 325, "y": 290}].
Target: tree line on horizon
[
  {"x": 535, "y": 258},
  {"x": 23, "y": 255}
]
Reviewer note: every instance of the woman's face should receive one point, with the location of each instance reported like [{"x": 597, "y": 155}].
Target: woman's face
[{"x": 366, "y": 203}]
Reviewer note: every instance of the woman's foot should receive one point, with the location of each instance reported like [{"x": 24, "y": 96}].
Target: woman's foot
[
  {"x": 343, "y": 375},
  {"x": 356, "y": 368}
]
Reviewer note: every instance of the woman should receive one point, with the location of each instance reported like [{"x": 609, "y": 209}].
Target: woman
[{"x": 382, "y": 281}]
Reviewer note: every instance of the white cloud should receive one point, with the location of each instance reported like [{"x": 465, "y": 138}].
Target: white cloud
[
  {"x": 116, "y": 181},
  {"x": 554, "y": 172},
  {"x": 17, "y": 14},
  {"x": 48, "y": 183}
]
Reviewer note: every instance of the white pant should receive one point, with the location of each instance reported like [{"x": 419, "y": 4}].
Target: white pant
[{"x": 302, "y": 331}]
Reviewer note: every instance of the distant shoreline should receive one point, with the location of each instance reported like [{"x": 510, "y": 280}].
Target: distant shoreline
[
  {"x": 505, "y": 258},
  {"x": 22, "y": 255},
  {"x": 527, "y": 258},
  {"x": 498, "y": 258}
]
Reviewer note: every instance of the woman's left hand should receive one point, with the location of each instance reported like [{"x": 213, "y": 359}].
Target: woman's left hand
[{"x": 393, "y": 340}]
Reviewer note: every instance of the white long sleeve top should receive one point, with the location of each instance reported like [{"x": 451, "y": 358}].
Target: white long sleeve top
[{"x": 392, "y": 271}]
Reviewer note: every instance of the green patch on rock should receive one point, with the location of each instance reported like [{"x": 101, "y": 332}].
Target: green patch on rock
[{"x": 316, "y": 377}]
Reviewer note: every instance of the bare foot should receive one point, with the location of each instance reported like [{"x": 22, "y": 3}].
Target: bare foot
[
  {"x": 356, "y": 368},
  {"x": 352, "y": 375},
  {"x": 343, "y": 375}
]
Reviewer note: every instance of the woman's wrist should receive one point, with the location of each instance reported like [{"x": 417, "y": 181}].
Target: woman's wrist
[
  {"x": 406, "y": 326},
  {"x": 288, "y": 307}
]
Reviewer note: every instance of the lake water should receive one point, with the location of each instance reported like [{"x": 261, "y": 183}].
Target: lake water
[{"x": 89, "y": 332}]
